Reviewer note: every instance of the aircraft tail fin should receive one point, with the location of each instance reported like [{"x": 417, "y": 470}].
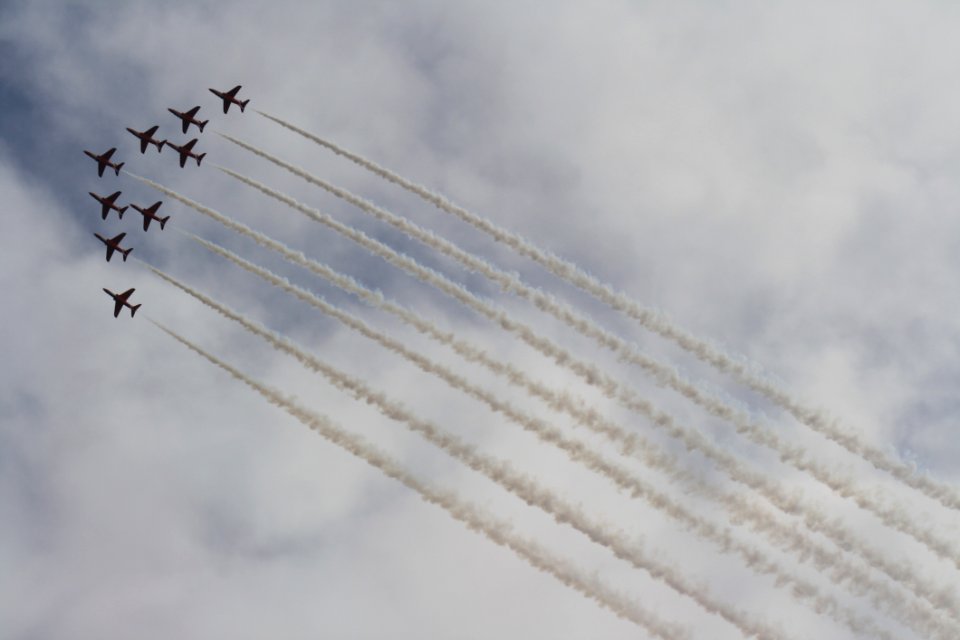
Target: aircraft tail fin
[
  {"x": 133, "y": 309},
  {"x": 126, "y": 253},
  {"x": 243, "y": 104},
  {"x": 201, "y": 125},
  {"x": 162, "y": 222},
  {"x": 118, "y": 167},
  {"x": 160, "y": 145},
  {"x": 121, "y": 210},
  {"x": 200, "y": 157}
]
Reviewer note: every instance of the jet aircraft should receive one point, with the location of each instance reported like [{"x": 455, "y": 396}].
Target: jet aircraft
[
  {"x": 109, "y": 202},
  {"x": 150, "y": 213},
  {"x": 103, "y": 161},
  {"x": 146, "y": 137},
  {"x": 113, "y": 244},
  {"x": 120, "y": 301},
  {"x": 230, "y": 97},
  {"x": 186, "y": 151},
  {"x": 189, "y": 117}
]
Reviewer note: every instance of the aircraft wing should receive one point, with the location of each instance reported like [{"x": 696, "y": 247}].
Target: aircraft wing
[
  {"x": 110, "y": 250},
  {"x": 109, "y": 153},
  {"x": 233, "y": 92},
  {"x": 126, "y": 294},
  {"x": 189, "y": 145},
  {"x": 117, "y": 306},
  {"x": 152, "y": 130},
  {"x": 192, "y": 112}
]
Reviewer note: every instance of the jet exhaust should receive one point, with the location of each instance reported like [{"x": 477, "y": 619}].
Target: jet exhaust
[
  {"x": 885, "y": 598},
  {"x": 945, "y": 494},
  {"x": 844, "y": 486},
  {"x": 814, "y": 518},
  {"x": 474, "y": 517},
  {"x": 502, "y": 473},
  {"x": 577, "y": 451}
]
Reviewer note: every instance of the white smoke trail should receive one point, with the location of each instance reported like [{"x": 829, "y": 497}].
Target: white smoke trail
[
  {"x": 846, "y": 487},
  {"x": 947, "y": 495},
  {"x": 840, "y": 569},
  {"x": 475, "y": 518},
  {"x": 815, "y": 519},
  {"x": 500, "y": 472},
  {"x": 576, "y": 450}
]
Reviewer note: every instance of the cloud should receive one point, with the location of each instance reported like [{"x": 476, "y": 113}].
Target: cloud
[{"x": 777, "y": 178}]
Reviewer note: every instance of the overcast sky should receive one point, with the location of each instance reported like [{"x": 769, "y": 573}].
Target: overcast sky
[{"x": 778, "y": 178}]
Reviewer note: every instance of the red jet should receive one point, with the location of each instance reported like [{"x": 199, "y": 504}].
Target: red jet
[
  {"x": 150, "y": 213},
  {"x": 120, "y": 301},
  {"x": 103, "y": 161},
  {"x": 230, "y": 97},
  {"x": 189, "y": 119},
  {"x": 146, "y": 137},
  {"x": 113, "y": 244},
  {"x": 186, "y": 151},
  {"x": 109, "y": 202}
]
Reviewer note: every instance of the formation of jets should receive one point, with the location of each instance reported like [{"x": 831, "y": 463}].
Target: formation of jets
[{"x": 147, "y": 138}]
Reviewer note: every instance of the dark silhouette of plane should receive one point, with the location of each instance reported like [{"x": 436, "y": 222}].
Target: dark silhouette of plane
[
  {"x": 150, "y": 213},
  {"x": 186, "y": 151},
  {"x": 146, "y": 137},
  {"x": 230, "y": 97},
  {"x": 109, "y": 202},
  {"x": 103, "y": 161},
  {"x": 113, "y": 244},
  {"x": 189, "y": 118},
  {"x": 120, "y": 301}
]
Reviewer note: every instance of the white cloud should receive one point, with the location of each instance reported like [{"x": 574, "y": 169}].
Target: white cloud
[{"x": 780, "y": 178}]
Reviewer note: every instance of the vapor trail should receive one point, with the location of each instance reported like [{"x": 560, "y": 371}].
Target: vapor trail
[
  {"x": 839, "y": 568},
  {"x": 475, "y": 518},
  {"x": 500, "y": 472},
  {"x": 814, "y": 518},
  {"x": 945, "y": 494},
  {"x": 576, "y": 450},
  {"x": 846, "y": 487}
]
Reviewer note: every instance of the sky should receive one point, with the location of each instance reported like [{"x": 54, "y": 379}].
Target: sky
[{"x": 776, "y": 178}]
